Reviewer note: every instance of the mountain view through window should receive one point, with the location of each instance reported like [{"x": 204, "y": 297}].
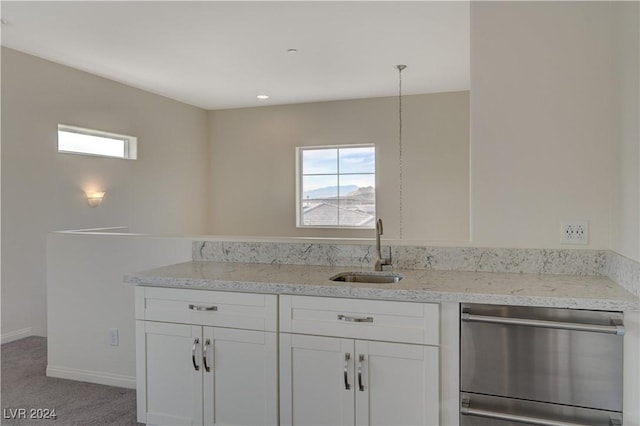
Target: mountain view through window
[{"x": 337, "y": 186}]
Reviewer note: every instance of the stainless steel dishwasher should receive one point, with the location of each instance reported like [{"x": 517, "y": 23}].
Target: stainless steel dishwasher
[{"x": 540, "y": 366}]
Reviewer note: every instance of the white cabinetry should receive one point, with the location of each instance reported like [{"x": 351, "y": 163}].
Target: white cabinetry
[
  {"x": 206, "y": 357},
  {"x": 164, "y": 366},
  {"x": 358, "y": 362},
  {"x": 314, "y": 372}
]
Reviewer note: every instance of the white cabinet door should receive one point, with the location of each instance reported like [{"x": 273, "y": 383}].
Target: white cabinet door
[
  {"x": 316, "y": 380},
  {"x": 396, "y": 384},
  {"x": 169, "y": 386},
  {"x": 240, "y": 370}
]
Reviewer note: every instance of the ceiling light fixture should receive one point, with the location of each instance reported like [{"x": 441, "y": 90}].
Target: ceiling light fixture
[
  {"x": 292, "y": 51},
  {"x": 400, "y": 68},
  {"x": 262, "y": 97}
]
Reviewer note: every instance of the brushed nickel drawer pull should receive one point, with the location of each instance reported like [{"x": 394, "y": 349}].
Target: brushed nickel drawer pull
[
  {"x": 616, "y": 329},
  {"x": 354, "y": 319},
  {"x": 203, "y": 308},
  {"x": 466, "y": 410}
]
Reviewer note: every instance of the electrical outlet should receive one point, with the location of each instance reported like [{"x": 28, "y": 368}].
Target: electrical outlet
[
  {"x": 113, "y": 337},
  {"x": 574, "y": 232}
]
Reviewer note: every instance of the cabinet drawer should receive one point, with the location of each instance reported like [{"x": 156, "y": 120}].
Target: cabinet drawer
[
  {"x": 203, "y": 307},
  {"x": 405, "y": 322}
]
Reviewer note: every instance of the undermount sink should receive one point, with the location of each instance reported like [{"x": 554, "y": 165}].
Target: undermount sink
[{"x": 366, "y": 277}]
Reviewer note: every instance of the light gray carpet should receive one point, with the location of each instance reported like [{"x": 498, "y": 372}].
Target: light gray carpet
[{"x": 24, "y": 385}]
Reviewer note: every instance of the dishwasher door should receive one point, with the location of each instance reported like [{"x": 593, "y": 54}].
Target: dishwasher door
[{"x": 503, "y": 353}]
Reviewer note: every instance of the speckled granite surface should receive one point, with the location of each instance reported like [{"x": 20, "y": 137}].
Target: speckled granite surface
[
  {"x": 530, "y": 261},
  {"x": 566, "y": 291},
  {"x": 623, "y": 271}
]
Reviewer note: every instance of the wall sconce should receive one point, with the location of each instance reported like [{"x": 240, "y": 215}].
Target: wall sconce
[{"x": 94, "y": 198}]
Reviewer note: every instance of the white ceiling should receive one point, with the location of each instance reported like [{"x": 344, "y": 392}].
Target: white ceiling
[{"x": 218, "y": 55}]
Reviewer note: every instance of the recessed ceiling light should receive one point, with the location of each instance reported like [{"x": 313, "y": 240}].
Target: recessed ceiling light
[
  {"x": 263, "y": 97},
  {"x": 292, "y": 51}
]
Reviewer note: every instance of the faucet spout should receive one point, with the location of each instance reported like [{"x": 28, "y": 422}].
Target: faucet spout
[{"x": 380, "y": 261}]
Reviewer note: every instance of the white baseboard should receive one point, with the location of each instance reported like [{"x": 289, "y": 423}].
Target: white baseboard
[
  {"x": 98, "y": 377},
  {"x": 16, "y": 335}
]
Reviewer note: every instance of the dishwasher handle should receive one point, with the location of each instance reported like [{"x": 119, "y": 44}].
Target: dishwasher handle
[
  {"x": 617, "y": 329},
  {"x": 465, "y": 409}
]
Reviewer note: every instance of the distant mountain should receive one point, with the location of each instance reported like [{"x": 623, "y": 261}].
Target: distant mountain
[
  {"x": 329, "y": 191},
  {"x": 364, "y": 193}
]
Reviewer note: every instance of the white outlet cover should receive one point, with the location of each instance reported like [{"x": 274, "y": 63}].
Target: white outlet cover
[
  {"x": 574, "y": 232},
  {"x": 114, "y": 339}
]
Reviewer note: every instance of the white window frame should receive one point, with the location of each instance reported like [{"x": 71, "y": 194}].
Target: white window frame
[
  {"x": 299, "y": 177},
  {"x": 130, "y": 142}
]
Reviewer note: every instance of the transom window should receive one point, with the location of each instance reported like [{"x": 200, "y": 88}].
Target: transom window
[
  {"x": 336, "y": 186},
  {"x": 76, "y": 140}
]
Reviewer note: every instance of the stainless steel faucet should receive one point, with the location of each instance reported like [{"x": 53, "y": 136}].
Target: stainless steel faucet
[{"x": 380, "y": 261}]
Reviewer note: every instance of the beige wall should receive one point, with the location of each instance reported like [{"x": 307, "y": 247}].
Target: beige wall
[
  {"x": 543, "y": 81},
  {"x": 541, "y": 121},
  {"x": 253, "y": 164},
  {"x": 164, "y": 191},
  {"x": 85, "y": 305},
  {"x": 554, "y": 136},
  {"x": 625, "y": 232}
]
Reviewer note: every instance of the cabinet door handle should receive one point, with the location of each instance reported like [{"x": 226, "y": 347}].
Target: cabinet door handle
[
  {"x": 196, "y": 342},
  {"x": 354, "y": 319},
  {"x": 347, "y": 357},
  {"x": 360, "y": 384},
  {"x": 203, "y": 308},
  {"x": 207, "y": 343}
]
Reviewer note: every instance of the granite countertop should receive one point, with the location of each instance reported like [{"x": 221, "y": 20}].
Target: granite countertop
[{"x": 563, "y": 291}]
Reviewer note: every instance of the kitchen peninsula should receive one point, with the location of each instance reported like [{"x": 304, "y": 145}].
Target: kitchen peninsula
[
  {"x": 563, "y": 291},
  {"x": 292, "y": 326}
]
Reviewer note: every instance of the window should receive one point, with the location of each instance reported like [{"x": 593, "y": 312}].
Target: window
[
  {"x": 76, "y": 140},
  {"x": 336, "y": 186}
]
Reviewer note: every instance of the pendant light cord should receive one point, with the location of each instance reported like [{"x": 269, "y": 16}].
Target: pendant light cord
[{"x": 400, "y": 68}]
